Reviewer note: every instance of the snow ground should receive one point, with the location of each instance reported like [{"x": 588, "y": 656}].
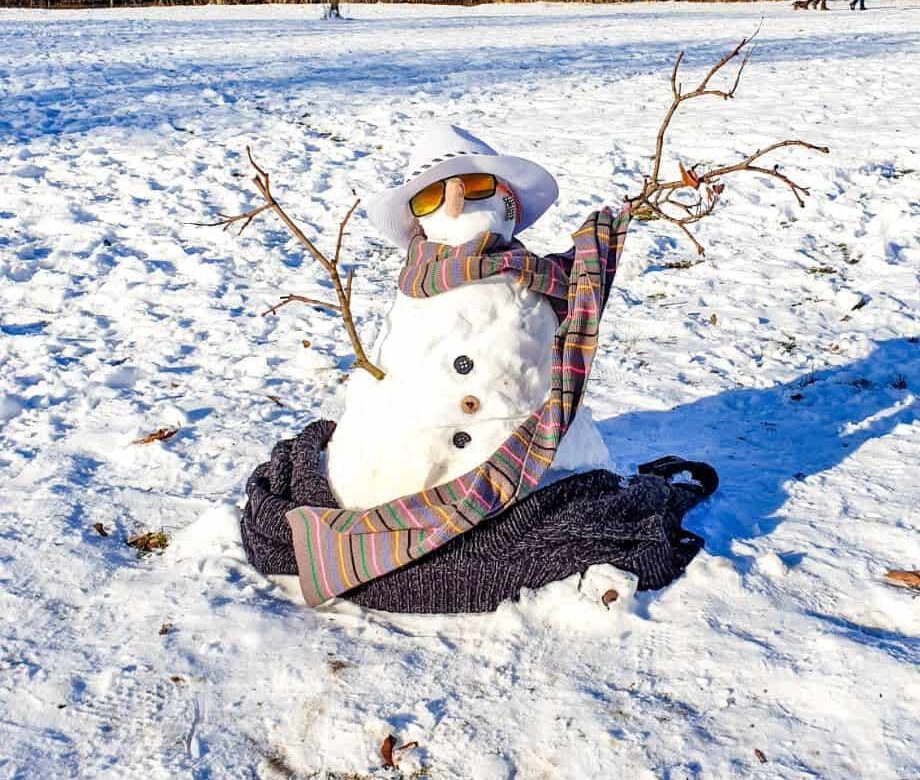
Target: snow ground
[{"x": 117, "y": 129}]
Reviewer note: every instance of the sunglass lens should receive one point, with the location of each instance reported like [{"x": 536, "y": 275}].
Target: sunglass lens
[
  {"x": 428, "y": 200},
  {"x": 478, "y": 185}
]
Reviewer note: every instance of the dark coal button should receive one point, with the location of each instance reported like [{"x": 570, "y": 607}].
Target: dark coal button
[
  {"x": 461, "y": 439},
  {"x": 463, "y": 364}
]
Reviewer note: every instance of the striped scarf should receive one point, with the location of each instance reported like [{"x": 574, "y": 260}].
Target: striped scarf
[{"x": 338, "y": 549}]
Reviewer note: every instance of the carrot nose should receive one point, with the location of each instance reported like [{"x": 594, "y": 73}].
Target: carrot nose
[{"x": 453, "y": 197}]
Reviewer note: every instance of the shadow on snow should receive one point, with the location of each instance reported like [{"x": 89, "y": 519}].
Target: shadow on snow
[
  {"x": 148, "y": 78},
  {"x": 761, "y": 441}
]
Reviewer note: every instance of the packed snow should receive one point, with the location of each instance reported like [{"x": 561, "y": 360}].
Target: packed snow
[{"x": 787, "y": 357}]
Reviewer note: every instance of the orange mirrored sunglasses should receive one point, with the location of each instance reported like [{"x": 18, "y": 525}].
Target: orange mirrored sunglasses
[{"x": 476, "y": 186}]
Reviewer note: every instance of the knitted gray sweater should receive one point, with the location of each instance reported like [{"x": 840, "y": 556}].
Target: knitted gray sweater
[{"x": 551, "y": 534}]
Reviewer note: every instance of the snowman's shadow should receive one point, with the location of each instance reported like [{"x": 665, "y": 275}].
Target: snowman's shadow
[{"x": 762, "y": 441}]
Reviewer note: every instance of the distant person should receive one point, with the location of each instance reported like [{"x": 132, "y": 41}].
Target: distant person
[{"x": 862, "y": 5}]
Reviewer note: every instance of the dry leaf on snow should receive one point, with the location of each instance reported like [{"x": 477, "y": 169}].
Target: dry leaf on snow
[
  {"x": 161, "y": 434},
  {"x": 386, "y": 752},
  {"x": 149, "y": 541},
  {"x": 689, "y": 177},
  {"x": 904, "y": 578},
  {"x": 388, "y": 748}
]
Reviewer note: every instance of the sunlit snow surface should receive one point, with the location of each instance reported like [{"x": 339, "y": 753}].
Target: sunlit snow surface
[{"x": 118, "y": 129}]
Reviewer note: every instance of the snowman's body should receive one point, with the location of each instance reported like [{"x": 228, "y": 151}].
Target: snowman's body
[
  {"x": 463, "y": 369},
  {"x": 400, "y": 434}
]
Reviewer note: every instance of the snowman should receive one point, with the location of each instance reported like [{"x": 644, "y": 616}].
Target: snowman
[
  {"x": 464, "y": 368},
  {"x": 471, "y": 469}
]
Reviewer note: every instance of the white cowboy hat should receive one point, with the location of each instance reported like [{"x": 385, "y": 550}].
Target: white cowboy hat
[{"x": 445, "y": 151}]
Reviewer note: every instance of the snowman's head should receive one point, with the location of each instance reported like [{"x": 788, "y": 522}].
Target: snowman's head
[
  {"x": 446, "y": 152},
  {"x": 456, "y": 210}
]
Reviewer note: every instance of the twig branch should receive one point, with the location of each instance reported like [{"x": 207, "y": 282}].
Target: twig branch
[
  {"x": 262, "y": 183},
  {"x": 338, "y": 243},
  {"x": 228, "y": 221},
  {"x": 657, "y": 196},
  {"x": 348, "y": 280},
  {"x": 286, "y": 299}
]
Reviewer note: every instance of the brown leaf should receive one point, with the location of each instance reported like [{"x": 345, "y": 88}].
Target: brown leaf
[
  {"x": 177, "y": 679},
  {"x": 609, "y": 597},
  {"x": 99, "y": 528},
  {"x": 165, "y": 629},
  {"x": 904, "y": 578},
  {"x": 386, "y": 752},
  {"x": 688, "y": 177},
  {"x": 160, "y": 434},
  {"x": 149, "y": 541},
  {"x": 336, "y": 666},
  {"x": 276, "y": 399},
  {"x": 760, "y": 756},
  {"x": 306, "y": 344}
]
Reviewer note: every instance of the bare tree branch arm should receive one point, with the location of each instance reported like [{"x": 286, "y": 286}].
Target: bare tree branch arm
[{"x": 262, "y": 182}]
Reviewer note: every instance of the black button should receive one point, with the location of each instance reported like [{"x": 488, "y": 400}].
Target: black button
[
  {"x": 461, "y": 439},
  {"x": 463, "y": 364}
]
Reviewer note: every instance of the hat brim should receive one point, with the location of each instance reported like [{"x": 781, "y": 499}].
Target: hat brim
[{"x": 534, "y": 186}]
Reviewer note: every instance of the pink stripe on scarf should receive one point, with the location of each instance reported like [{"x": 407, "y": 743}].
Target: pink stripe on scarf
[
  {"x": 530, "y": 479},
  {"x": 375, "y": 564},
  {"x": 330, "y": 591},
  {"x": 409, "y": 512}
]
